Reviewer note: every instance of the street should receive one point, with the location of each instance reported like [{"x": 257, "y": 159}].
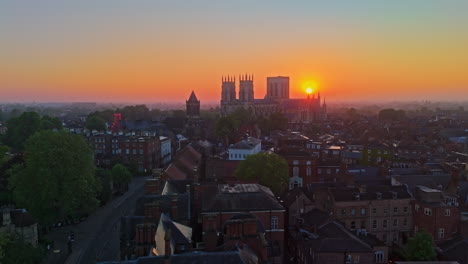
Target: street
[{"x": 96, "y": 238}]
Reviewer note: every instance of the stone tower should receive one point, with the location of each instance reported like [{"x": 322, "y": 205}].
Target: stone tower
[
  {"x": 246, "y": 91},
  {"x": 193, "y": 106},
  {"x": 228, "y": 89}
]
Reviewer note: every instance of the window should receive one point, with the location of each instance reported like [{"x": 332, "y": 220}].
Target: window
[
  {"x": 363, "y": 211},
  {"x": 405, "y": 222},
  {"x": 395, "y": 209},
  {"x": 343, "y": 211},
  {"x": 355, "y": 259},
  {"x": 141, "y": 152},
  {"x": 384, "y": 223},
  {"x": 395, "y": 222},
  {"x": 134, "y": 152},
  {"x": 274, "y": 223},
  {"x": 379, "y": 256},
  {"x": 319, "y": 171},
  {"x": 441, "y": 233},
  {"x": 374, "y": 224},
  {"x": 295, "y": 162},
  {"x": 296, "y": 172},
  {"x": 384, "y": 238},
  {"x": 127, "y": 151},
  {"x": 427, "y": 211},
  {"x": 416, "y": 207},
  {"x": 353, "y": 225},
  {"x": 363, "y": 224},
  {"x": 385, "y": 210},
  {"x": 353, "y": 211},
  {"x": 308, "y": 162},
  {"x": 328, "y": 171},
  {"x": 308, "y": 171},
  {"x": 374, "y": 210},
  {"x": 405, "y": 209},
  {"x": 447, "y": 212}
]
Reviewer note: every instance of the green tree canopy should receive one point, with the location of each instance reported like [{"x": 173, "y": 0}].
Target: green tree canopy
[
  {"x": 270, "y": 170},
  {"x": 121, "y": 176},
  {"x": 135, "y": 112},
  {"x": 22, "y": 127},
  {"x": 391, "y": 114},
  {"x": 57, "y": 180},
  {"x": 95, "y": 122},
  {"x": 420, "y": 247},
  {"x": 48, "y": 122},
  {"x": 14, "y": 251},
  {"x": 104, "y": 178}
]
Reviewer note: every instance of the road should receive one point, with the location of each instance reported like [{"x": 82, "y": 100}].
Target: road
[{"x": 97, "y": 238}]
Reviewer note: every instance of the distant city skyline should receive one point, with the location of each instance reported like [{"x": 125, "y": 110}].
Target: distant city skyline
[{"x": 156, "y": 51}]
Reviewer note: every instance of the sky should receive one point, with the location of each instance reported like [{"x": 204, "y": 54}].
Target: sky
[{"x": 155, "y": 50}]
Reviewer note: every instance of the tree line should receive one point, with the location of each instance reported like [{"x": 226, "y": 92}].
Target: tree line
[{"x": 55, "y": 177}]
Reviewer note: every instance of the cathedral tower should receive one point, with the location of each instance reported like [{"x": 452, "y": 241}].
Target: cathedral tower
[
  {"x": 228, "y": 89},
  {"x": 246, "y": 91}
]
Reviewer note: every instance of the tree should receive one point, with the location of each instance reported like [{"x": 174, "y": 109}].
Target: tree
[
  {"x": 57, "y": 180},
  {"x": 3, "y": 154},
  {"x": 270, "y": 170},
  {"x": 21, "y": 128},
  {"x": 96, "y": 123},
  {"x": 420, "y": 247},
  {"x": 104, "y": 178},
  {"x": 391, "y": 114},
  {"x": 121, "y": 176},
  {"x": 48, "y": 122},
  {"x": 15, "y": 251}
]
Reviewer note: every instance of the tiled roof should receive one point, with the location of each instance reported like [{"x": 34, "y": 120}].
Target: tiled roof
[{"x": 240, "y": 197}]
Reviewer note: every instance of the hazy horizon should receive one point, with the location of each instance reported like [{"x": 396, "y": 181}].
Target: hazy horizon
[{"x": 120, "y": 51}]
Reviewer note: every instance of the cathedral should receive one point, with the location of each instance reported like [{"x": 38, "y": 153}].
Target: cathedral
[{"x": 276, "y": 100}]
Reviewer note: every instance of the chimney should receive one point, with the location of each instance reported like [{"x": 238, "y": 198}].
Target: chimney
[{"x": 174, "y": 210}]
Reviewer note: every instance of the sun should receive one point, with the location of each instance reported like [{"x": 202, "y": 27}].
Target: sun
[{"x": 310, "y": 87}]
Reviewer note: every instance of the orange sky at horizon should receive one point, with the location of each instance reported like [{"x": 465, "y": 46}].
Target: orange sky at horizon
[{"x": 136, "y": 56}]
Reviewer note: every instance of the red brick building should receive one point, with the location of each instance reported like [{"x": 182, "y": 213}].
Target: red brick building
[
  {"x": 141, "y": 152},
  {"x": 229, "y": 209},
  {"x": 437, "y": 213}
]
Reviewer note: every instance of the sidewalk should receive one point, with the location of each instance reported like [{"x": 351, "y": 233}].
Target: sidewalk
[{"x": 86, "y": 231}]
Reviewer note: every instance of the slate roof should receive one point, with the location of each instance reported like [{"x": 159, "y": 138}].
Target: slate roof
[
  {"x": 197, "y": 257},
  {"x": 430, "y": 181},
  {"x": 455, "y": 249},
  {"x": 333, "y": 237},
  {"x": 248, "y": 143},
  {"x": 387, "y": 192},
  {"x": 180, "y": 234},
  {"x": 241, "y": 197},
  {"x": 315, "y": 217}
]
